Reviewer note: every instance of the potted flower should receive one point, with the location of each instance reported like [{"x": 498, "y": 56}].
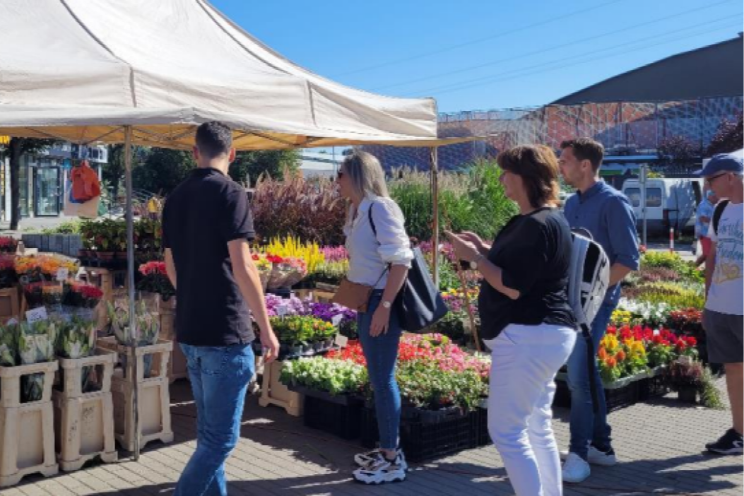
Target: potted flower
[
  {"x": 8, "y": 276},
  {"x": 8, "y": 244},
  {"x": 154, "y": 279}
]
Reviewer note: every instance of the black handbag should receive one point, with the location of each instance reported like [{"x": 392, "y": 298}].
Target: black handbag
[{"x": 419, "y": 304}]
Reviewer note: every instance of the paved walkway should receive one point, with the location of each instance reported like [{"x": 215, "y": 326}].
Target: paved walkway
[{"x": 660, "y": 445}]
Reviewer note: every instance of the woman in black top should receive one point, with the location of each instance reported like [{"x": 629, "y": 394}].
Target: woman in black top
[{"x": 526, "y": 320}]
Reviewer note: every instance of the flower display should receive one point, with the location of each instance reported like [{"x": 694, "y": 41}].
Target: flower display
[
  {"x": 331, "y": 375},
  {"x": 286, "y": 271},
  {"x": 293, "y": 249},
  {"x": 8, "y": 244},
  {"x": 9, "y": 344},
  {"x": 154, "y": 279},
  {"x": 295, "y": 330},
  {"x": 77, "y": 338},
  {"x": 8, "y": 276},
  {"x": 335, "y": 254},
  {"x": 44, "y": 267},
  {"x": 82, "y": 295},
  {"x": 36, "y": 344},
  {"x": 147, "y": 324}
]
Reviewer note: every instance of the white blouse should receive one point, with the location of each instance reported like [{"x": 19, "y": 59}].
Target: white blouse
[{"x": 369, "y": 256}]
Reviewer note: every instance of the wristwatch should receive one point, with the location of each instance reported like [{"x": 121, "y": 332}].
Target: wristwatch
[
  {"x": 474, "y": 263},
  {"x": 386, "y": 305}
]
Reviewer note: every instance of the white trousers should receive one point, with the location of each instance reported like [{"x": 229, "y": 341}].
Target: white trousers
[{"x": 525, "y": 361}]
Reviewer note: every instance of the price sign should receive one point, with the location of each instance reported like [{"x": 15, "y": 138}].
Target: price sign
[
  {"x": 62, "y": 274},
  {"x": 282, "y": 310},
  {"x": 37, "y": 315},
  {"x": 336, "y": 321},
  {"x": 341, "y": 341}
]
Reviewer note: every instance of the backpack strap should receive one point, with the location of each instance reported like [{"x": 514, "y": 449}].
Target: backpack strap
[{"x": 717, "y": 213}]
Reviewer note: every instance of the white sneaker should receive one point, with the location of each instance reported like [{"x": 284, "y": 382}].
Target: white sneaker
[
  {"x": 601, "y": 458},
  {"x": 368, "y": 459},
  {"x": 576, "y": 469},
  {"x": 382, "y": 471}
]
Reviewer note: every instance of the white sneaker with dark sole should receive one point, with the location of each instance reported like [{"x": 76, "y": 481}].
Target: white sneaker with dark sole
[
  {"x": 601, "y": 458},
  {"x": 382, "y": 471}
]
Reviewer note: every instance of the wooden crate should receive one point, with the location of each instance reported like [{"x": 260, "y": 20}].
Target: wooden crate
[
  {"x": 26, "y": 442},
  {"x": 71, "y": 373},
  {"x": 274, "y": 392},
  {"x": 10, "y": 383},
  {"x": 84, "y": 429},
  {"x": 10, "y": 306},
  {"x": 161, "y": 352},
  {"x": 153, "y": 408},
  {"x": 84, "y": 422}
]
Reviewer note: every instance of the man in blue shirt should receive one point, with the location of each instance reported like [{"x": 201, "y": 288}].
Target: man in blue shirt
[
  {"x": 703, "y": 215},
  {"x": 607, "y": 214}
]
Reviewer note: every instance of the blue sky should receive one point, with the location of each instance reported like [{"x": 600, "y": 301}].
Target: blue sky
[{"x": 482, "y": 54}]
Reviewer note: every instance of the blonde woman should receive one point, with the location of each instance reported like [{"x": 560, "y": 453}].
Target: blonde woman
[{"x": 379, "y": 257}]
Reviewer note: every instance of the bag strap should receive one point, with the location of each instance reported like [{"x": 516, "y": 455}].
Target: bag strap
[
  {"x": 717, "y": 213},
  {"x": 374, "y": 230}
]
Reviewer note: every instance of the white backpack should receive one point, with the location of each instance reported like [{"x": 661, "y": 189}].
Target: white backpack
[{"x": 589, "y": 278}]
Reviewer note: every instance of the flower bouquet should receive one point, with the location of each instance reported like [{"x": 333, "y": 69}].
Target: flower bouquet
[
  {"x": 146, "y": 323},
  {"x": 44, "y": 267},
  {"x": 9, "y": 345},
  {"x": 286, "y": 272},
  {"x": 154, "y": 279},
  {"x": 8, "y": 277},
  {"x": 8, "y": 244},
  {"x": 77, "y": 339},
  {"x": 264, "y": 269},
  {"x": 36, "y": 344}
]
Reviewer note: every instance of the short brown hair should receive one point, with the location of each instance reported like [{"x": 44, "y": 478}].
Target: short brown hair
[
  {"x": 586, "y": 149},
  {"x": 537, "y": 165}
]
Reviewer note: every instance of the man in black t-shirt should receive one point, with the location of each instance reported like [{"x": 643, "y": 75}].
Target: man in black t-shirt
[{"x": 206, "y": 228}]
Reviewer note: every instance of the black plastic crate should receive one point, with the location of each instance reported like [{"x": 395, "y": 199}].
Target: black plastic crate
[
  {"x": 483, "y": 438},
  {"x": 622, "y": 397},
  {"x": 424, "y": 441},
  {"x": 652, "y": 387},
  {"x": 337, "y": 415}
]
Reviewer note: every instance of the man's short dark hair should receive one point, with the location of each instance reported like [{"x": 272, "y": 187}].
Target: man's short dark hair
[
  {"x": 586, "y": 149},
  {"x": 213, "y": 139}
]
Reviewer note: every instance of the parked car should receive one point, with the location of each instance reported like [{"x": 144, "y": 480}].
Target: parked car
[{"x": 669, "y": 203}]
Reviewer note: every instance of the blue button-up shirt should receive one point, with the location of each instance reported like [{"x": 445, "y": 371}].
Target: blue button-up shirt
[
  {"x": 705, "y": 209},
  {"x": 607, "y": 214}
]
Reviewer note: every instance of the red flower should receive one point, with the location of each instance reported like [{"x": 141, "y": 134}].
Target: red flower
[
  {"x": 657, "y": 339},
  {"x": 611, "y": 329},
  {"x": 620, "y": 356},
  {"x": 691, "y": 341}
]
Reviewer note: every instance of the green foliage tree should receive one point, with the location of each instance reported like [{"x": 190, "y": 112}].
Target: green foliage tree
[
  {"x": 162, "y": 170},
  {"x": 255, "y": 163}
]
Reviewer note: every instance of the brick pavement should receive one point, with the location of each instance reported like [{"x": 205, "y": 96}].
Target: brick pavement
[{"x": 660, "y": 445}]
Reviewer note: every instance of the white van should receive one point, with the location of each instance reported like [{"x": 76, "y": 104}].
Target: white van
[{"x": 669, "y": 203}]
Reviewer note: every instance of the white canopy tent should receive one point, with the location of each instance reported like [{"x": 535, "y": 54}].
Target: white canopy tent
[{"x": 149, "y": 72}]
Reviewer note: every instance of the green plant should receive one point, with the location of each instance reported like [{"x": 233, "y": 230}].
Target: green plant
[
  {"x": 472, "y": 198},
  {"x": 329, "y": 375},
  {"x": 67, "y": 227}
]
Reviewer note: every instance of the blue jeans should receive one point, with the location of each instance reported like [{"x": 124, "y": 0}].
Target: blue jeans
[
  {"x": 381, "y": 353},
  {"x": 585, "y": 425},
  {"x": 219, "y": 380}
]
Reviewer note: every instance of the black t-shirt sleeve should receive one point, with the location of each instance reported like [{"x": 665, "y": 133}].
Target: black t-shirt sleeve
[
  {"x": 237, "y": 220},
  {"x": 528, "y": 258}
]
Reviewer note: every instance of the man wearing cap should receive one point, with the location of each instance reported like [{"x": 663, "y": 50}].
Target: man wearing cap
[{"x": 723, "y": 319}]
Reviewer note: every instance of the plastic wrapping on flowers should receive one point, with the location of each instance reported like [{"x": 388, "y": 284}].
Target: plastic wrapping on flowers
[
  {"x": 9, "y": 344},
  {"x": 77, "y": 339},
  {"x": 36, "y": 344},
  {"x": 146, "y": 323},
  {"x": 286, "y": 272}
]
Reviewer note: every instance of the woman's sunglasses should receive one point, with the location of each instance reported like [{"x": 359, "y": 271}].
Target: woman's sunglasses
[{"x": 339, "y": 175}]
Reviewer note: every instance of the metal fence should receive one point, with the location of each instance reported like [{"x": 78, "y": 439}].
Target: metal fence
[{"x": 624, "y": 128}]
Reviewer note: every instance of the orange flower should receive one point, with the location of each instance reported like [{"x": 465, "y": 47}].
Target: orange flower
[
  {"x": 620, "y": 357},
  {"x": 611, "y": 362},
  {"x": 602, "y": 353}
]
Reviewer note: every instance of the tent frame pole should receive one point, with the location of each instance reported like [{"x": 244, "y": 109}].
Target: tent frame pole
[
  {"x": 130, "y": 287},
  {"x": 435, "y": 212}
]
